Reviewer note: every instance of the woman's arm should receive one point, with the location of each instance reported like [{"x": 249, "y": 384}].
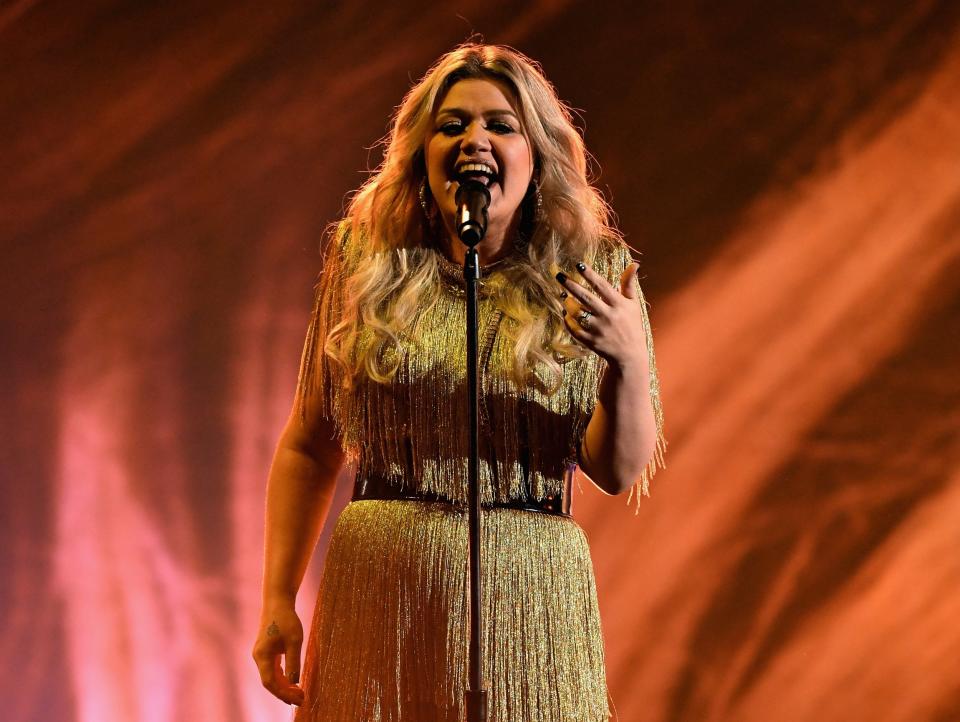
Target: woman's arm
[
  {"x": 621, "y": 437},
  {"x": 300, "y": 488}
]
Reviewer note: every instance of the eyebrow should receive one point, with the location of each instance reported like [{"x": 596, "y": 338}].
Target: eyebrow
[{"x": 486, "y": 114}]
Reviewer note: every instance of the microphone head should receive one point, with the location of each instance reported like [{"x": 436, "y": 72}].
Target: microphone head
[
  {"x": 473, "y": 198},
  {"x": 470, "y": 184}
]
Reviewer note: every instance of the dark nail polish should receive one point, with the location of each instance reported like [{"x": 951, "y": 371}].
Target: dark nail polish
[
  {"x": 562, "y": 277},
  {"x": 581, "y": 267},
  {"x": 563, "y": 295}
]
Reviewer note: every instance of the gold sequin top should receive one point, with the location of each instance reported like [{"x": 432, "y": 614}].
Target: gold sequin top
[{"x": 414, "y": 431}]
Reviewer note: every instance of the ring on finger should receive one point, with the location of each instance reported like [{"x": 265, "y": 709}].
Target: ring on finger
[{"x": 583, "y": 318}]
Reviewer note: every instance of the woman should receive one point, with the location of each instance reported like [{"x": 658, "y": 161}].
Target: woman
[{"x": 568, "y": 378}]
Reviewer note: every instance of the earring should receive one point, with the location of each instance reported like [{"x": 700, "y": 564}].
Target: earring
[
  {"x": 531, "y": 213},
  {"x": 537, "y": 203},
  {"x": 424, "y": 203},
  {"x": 431, "y": 218}
]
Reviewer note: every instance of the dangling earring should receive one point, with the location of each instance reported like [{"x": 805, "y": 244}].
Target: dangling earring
[
  {"x": 537, "y": 202},
  {"x": 431, "y": 215},
  {"x": 424, "y": 203},
  {"x": 429, "y": 219},
  {"x": 531, "y": 211}
]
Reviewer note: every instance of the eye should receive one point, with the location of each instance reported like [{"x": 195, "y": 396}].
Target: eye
[
  {"x": 452, "y": 127},
  {"x": 500, "y": 127}
]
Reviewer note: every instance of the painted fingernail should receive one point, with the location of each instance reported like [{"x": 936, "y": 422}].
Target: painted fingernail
[
  {"x": 562, "y": 277},
  {"x": 563, "y": 295},
  {"x": 581, "y": 267}
]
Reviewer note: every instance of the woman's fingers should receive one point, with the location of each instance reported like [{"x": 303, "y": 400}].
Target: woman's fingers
[
  {"x": 288, "y": 692},
  {"x": 572, "y": 310},
  {"x": 273, "y": 679},
  {"x": 601, "y": 285},
  {"x": 291, "y": 661},
  {"x": 582, "y": 295},
  {"x": 628, "y": 286},
  {"x": 604, "y": 294},
  {"x": 575, "y": 325}
]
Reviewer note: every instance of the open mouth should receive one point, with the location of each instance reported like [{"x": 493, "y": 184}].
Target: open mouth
[{"x": 477, "y": 171}]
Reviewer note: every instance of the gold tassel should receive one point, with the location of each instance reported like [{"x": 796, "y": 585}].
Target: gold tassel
[
  {"x": 389, "y": 638},
  {"x": 413, "y": 428}
]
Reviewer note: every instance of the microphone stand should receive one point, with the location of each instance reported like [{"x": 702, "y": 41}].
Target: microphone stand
[{"x": 472, "y": 201}]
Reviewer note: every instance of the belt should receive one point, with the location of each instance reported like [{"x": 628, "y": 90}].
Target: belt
[{"x": 375, "y": 486}]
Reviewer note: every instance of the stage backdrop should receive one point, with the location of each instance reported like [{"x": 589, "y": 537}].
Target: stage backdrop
[{"x": 789, "y": 175}]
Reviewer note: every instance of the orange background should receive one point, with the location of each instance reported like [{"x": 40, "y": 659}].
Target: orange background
[{"x": 789, "y": 174}]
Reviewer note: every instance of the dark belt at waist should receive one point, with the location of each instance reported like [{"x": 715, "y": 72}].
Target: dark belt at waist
[{"x": 378, "y": 487}]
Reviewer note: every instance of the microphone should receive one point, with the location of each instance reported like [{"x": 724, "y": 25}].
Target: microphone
[{"x": 472, "y": 198}]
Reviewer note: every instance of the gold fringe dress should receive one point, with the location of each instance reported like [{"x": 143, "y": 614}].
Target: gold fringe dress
[{"x": 390, "y": 633}]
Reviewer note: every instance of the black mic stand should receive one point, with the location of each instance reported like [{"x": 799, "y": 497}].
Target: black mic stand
[{"x": 472, "y": 201}]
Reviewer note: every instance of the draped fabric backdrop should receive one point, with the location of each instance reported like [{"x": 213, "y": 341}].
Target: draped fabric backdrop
[{"x": 789, "y": 174}]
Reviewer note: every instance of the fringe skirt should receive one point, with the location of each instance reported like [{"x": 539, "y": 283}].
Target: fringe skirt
[{"x": 390, "y": 634}]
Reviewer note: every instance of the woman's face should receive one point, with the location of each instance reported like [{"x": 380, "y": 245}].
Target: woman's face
[{"x": 477, "y": 122}]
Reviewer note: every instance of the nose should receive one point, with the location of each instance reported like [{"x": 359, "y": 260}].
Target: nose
[{"x": 475, "y": 138}]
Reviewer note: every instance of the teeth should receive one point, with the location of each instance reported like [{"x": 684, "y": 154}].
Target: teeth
[{"x": 478, "y": 168}]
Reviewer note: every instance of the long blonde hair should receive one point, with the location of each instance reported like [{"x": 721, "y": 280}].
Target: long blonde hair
[{"x": 400, "y": 270}]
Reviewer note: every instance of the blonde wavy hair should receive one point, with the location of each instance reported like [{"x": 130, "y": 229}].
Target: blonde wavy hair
[{"x": 400, "y": 270}]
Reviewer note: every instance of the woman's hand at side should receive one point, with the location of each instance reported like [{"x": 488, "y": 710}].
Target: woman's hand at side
[{"x": 280, "y": 633}]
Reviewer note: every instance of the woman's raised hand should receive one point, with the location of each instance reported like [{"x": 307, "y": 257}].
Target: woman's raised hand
[
  {"x": 280, "y": 633},
  {"x": 607, "y": 320}
]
